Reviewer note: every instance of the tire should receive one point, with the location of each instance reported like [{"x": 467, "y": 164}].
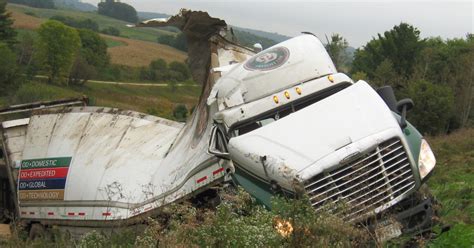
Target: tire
[{"x": 37, "y": 231}]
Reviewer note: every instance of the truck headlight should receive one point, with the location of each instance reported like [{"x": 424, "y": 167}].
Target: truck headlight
[{"x": 426, "y": 159}]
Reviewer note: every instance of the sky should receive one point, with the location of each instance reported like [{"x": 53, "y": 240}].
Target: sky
[{"x": 357, "y": 21}]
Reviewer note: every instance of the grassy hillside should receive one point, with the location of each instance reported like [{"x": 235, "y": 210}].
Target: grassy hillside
[
  {"x": 146, "y": 34},
  {"x": 136, "y": 51},
  {"x": 453, "y": 185},
  {"x": 141, "y": 53},
  {"x": 272, "y": 36},
  {"x": 159, "y": 101}
]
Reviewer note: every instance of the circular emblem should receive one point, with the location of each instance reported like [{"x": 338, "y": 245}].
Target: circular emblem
[{"x": 268, "y": 60}]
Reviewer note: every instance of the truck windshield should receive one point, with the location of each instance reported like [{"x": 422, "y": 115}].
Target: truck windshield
[{"x": 270, "y": 116}]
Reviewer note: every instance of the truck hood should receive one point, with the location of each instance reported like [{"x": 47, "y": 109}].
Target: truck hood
[{"x": 282, "y": 149}]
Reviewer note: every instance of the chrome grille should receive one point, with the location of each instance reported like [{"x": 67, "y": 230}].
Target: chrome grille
[{"x": 365, "y": 184}]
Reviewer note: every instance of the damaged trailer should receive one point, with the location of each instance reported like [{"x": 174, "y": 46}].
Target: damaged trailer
[{"x": 279, "y": 122}]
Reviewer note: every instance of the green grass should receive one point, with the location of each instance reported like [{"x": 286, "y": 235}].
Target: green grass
[
  {"x": 157, "y": 100},
  {"x": 146, "y": 34},
  {"x": 452, "y": 184},
  {"x": 114, "y": 43},
  {"x": 22, "y": 32}
]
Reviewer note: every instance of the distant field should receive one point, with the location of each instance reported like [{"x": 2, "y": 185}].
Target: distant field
[
  {"x": 139, "y": 50},
  {"x": 148, "y": 34},
  {"x": 141, "y": 53}
]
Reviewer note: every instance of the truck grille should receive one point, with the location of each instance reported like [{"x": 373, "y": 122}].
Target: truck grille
[{"x": 361, "y": 186}]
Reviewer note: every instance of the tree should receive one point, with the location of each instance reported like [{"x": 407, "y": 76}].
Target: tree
[
  {"x": 166, "y": 40},
  {"x": 81, "y": 71},
  {"x": 433, "y": 106},
  {"x": 26, "y": 51},
  {"x": 84, "y": 23},
  {"x": 121, "y": 11},
  {"x": 158, "y": 65},
  {"x": 58, "y": 45},
  {"x": 385, "y": 74},
  {"x": 360, "y": 75},
  {"x": 336, "y": 48},
  {"x": 180, "y": 112},
  {"x": 7, "y": 33},
  {"x": 8, "y": 69},
  {"x": 401, "y": 45},
  {"x": 94, "y": 48},
  {"x": 92, "y": 57},
  {"x": 450, "y": 63},
  {"x": 111, "y": 31},
  {"x": 180, "y": 68},
  {"x": 178, "y": 41}
]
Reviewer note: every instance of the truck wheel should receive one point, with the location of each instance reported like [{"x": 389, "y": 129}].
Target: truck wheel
[{"x": 37, "y": 231}]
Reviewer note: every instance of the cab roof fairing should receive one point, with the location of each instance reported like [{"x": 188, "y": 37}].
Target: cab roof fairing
[
  {"x": 306, "y": 59},
  {"x": 246, "y": 111}
]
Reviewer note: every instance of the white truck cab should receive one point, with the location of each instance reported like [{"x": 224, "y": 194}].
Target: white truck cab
[{"x": 289, "y": 122}]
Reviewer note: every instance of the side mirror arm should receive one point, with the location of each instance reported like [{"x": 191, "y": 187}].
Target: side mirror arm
[{"x": 402, "y": 107}]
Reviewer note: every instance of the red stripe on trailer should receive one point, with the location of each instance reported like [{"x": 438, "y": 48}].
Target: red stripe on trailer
[
  {"x": 82, "y": 214},
  {"x": 23, "y": 212},
  {"x": 201, "y": 179},
  {"x": 50, "y": 213},
  {"x": 106, "y": 214},
  {"x": 218, "y": 171},
  {"x": 44, "y": 173},
  {"x": 70, "y": 214},
  {"x": 32, "y": 212}
]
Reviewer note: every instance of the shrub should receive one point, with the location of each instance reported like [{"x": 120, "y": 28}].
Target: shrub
[
  {"x": 182, "y": 69},
  {"x": 93, "y": 239},
  {"x": 180, "y": 112},
  {"x": 111, "y": 31},
  {"x": 85, "y": 23},
  {"x": 8, "y": 70},
  {"x": 433, "y": 106},
  {"x": 33, "y": 92}
]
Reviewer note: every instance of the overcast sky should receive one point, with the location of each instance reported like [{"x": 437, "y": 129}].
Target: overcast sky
[{"x": 357, "y": 21}]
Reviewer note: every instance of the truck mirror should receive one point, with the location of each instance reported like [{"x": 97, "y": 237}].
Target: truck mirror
[
  {"x": 218, "y": 144},
  {"x": 402, "y": 107},
  {"x": 388, "y": 96}
]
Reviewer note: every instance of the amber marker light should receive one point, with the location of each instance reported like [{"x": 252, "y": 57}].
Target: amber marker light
[
  {"x": 331, "y": 78},
  {"x": 298, "y": 90},
  {"x": 275, "y": 99},
  {"x": 287, "y": 95}
]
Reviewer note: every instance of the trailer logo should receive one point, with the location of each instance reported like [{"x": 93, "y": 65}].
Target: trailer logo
[
  {"x": 268, "y": 60},
  {"x": 43, "y": 179}
]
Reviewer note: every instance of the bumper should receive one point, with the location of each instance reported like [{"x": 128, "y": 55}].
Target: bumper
[{"x": 412, "y": 216}]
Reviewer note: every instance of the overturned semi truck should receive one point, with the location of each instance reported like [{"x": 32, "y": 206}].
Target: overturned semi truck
[{"x": 282, "y": 121}]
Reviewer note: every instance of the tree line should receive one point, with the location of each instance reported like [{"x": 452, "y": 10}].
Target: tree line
[
  {"x": 437, "y": 74},
  {"x": 118, "y": 10}
]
